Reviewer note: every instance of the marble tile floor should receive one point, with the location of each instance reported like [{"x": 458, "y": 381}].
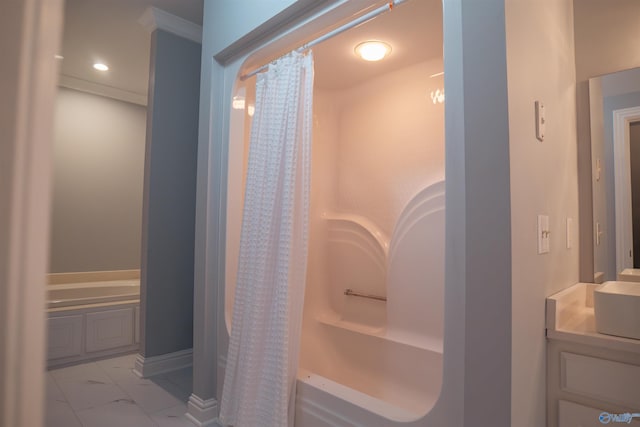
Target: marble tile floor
[{"x": 108, "y": 394}]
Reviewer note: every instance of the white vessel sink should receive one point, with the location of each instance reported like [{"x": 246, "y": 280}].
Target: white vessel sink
[
  {"x": 617, "y": 309},
  {"x": 629, "y": 275}
]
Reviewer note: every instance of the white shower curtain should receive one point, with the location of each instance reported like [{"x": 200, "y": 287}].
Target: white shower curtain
[{"x": 259, "y": 383}]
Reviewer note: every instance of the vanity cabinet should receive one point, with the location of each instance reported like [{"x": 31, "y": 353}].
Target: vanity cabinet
[{"x": 588, "y": 373}]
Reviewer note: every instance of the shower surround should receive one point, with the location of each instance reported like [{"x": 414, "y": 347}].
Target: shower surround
[{"x": 376, "y": 230}]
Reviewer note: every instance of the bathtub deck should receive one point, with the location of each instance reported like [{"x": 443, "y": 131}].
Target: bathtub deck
[{"x": 108, "y": 393}]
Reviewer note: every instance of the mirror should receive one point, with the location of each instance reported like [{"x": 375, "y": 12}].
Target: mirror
[{"x": 615, "y": 154}]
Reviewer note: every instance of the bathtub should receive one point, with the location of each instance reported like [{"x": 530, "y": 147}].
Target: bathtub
[
  {"x": 354, "y": 378},
  {"x": 92, "y": 320},
  {"x": 392, "y": 376},
  {"x": 74, "y": 294}
]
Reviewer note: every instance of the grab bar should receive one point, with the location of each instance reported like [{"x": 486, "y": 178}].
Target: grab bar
[{"x": 352, "y": 293}]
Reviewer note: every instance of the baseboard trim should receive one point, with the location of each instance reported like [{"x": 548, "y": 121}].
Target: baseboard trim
[
  {"x": 149, "y": 366},
  {"x": 203, "y": 413}
]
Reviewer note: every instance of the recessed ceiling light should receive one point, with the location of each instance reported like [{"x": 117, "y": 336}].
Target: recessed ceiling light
[
  {"x": 100, "y": 66},
  {"x": 373, "y": 50}
]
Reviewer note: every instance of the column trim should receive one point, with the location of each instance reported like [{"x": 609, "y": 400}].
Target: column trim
[
  {"x": 149, "y": 366},
  {"x": 203, "y": 413}
]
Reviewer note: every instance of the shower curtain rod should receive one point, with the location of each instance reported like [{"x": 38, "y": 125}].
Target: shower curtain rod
[{"x": 360, "y": 20}]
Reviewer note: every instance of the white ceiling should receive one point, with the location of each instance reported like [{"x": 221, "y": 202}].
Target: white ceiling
[
  {"x": 108, "y": 31},
  {"x": 413, "y": 29}
]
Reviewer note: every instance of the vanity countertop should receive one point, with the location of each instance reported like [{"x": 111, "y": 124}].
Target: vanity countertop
[
  {"x": 570, "y": 317},
  {"x": 629, "y": 275}
]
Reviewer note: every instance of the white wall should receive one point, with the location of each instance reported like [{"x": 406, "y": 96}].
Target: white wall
[
  {"x": 97, "y": 186},
  {"x": 324, "y": 186},
  {"x": 606, "y": 34},
  {"x": 540, "y": 65},
  {"x": 375, "y": 146},
  {"x": 380, "y": 122}
]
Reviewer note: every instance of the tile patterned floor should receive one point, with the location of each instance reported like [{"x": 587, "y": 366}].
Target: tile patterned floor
[{"x": 107, "y": 393}]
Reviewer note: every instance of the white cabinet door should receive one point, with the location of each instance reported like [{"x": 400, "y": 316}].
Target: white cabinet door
[
  {"x": 109, "y": 329},
  {"x": 65, "y": 336},
  {"x": 601, "y": 379},
  {"x": 574, "y": 415}
]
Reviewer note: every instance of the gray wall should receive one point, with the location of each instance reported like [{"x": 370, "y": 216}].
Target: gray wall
[
  {"x": 170, "y": 195},
  {"x": 97, "y": 185},
  {"x": 610, "y": 104}
]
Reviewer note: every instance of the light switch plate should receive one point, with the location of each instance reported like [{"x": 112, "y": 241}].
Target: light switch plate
[
  {"x": 540, "y": 121},
  {"x": 543, "y": 234}
]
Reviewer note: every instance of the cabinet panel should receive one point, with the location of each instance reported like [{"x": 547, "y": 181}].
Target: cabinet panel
[
  {"x": 600, "y": 379},
  {"x": 574, "y": 415},
  {"x": 65, "y": 336},
  {"x": 136, "y": 325},
  {"x": 109, "y": 329}
]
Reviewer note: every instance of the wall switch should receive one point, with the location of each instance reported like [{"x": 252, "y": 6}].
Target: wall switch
[
  {"x": 598, "y": 233},
  {"x": 543, "y": 234},
  {"x": 598, "y": 169},
  {"x": 569, "y": 232},
  {"x": 540, "y": 120}
]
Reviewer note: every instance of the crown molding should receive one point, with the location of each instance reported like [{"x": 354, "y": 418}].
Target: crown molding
[
  {"x": 157, "y": 19},
  {"x": 102, "y": 90}
]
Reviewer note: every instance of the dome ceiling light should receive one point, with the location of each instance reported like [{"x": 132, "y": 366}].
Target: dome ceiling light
[{"x": 373, "y": 50}]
